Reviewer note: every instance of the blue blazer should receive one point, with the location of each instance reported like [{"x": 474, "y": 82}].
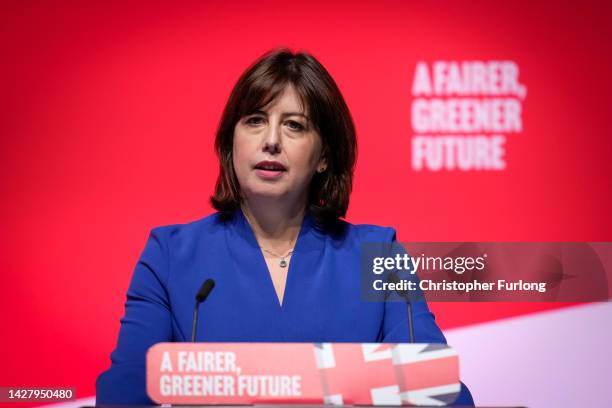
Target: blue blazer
[{"x": 322, "y": 300}]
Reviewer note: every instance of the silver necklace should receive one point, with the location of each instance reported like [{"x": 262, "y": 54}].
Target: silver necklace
[{"x": 283, "y": 259}]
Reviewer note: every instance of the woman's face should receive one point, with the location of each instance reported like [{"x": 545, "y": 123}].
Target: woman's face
[{"x": 276, "y": 150}]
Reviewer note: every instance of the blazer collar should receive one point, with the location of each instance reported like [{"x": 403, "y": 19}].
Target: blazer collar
[{"x": 309, "y": 237}]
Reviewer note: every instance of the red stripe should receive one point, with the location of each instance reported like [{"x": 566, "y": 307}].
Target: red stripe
[{"x": 429, "y": 373}]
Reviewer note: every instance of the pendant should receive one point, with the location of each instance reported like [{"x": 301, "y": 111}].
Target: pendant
[{"x": 282, "y": 263}]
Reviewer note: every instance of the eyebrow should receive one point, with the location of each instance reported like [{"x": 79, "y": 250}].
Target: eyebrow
[{"x": 283, "y": 115}]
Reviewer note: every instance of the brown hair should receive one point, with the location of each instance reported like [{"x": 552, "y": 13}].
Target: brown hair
[{"x": 259, "y": 85}]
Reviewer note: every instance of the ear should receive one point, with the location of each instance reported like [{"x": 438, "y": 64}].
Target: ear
[{"x": 322, "y": 164}]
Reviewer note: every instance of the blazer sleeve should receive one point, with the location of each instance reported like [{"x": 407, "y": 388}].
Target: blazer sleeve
[
  {"x": 395, "y": 329},
  {"x": 147, "y": 321},
  {"x": 395, "y": 323}
]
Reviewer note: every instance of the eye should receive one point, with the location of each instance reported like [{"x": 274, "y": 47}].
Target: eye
[
  {"x": 254, "y": 120},
  {"x": 295, "y": 126}
]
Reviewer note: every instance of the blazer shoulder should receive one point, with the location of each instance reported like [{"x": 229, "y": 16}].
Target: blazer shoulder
[
  {"x": 182, "y": 242},
  {"x": 208, "y": 224},
  {"x": 370, "y": 233}
]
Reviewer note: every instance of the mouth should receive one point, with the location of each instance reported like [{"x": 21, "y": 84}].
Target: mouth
[{"x": 270, "y": 169}]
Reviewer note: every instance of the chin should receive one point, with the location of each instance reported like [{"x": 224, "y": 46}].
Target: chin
[{"x": 267, "y": 192}]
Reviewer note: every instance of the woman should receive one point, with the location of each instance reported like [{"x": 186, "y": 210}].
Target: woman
[{"x": 286, "y": 267}]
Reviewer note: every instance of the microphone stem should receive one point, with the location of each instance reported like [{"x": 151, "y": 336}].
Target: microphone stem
[
  {"x": 194, "y": 327},
  {"x": 410, "y": 323}
]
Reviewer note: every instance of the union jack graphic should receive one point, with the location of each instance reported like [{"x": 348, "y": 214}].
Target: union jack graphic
[{"x": 388, "y": 374}]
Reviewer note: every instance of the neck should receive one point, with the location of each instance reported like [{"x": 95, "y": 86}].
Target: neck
[{"x": 276, "y": 227}]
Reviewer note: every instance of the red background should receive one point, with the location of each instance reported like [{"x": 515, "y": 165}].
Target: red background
[{"x": 108, "y": 117}]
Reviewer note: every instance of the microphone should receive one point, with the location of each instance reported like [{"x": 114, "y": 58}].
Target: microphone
[
  {"x": 201, "y": 296},
  {"x": 404, "y": 294}
]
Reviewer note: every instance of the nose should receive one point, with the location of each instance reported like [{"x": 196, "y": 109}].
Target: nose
[{"x": 271, "y": 142}]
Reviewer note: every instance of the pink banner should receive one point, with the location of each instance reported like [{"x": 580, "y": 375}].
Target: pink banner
[{"x": 304, "y": 373}]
